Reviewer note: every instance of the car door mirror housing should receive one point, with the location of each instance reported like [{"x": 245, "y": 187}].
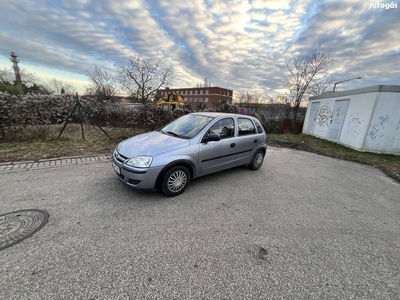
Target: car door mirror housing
[{"x": 211, "y": 137}]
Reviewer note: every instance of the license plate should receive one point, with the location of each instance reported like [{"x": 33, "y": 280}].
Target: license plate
[{"x": 116, "y": 168}]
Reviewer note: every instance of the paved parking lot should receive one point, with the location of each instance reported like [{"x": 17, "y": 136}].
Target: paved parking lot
[{"x": 302, "y": 227}]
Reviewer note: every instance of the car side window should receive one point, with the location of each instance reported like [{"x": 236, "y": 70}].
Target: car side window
[
  {"x": 259, "y": 128},
  {"x": 246, "y": 126},
  {"x": 225, "y": 128}
]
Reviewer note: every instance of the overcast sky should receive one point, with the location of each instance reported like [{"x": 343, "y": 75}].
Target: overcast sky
[{"x": 234, "y": 44}]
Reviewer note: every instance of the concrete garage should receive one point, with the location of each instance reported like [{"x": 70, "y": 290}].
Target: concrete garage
[{"x": 366, "y": 119}]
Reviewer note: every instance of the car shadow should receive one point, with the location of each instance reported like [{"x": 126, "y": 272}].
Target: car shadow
[{"x": 118, "y": 188}]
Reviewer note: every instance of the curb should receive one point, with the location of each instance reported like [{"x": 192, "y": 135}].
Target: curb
[{"x": 9, "y": 167}]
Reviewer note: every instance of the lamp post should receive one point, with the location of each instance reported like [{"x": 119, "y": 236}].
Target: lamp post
[{"x": 334, "y": 86}]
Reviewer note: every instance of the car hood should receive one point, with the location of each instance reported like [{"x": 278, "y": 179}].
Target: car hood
[{"x": 151, "y": 143}]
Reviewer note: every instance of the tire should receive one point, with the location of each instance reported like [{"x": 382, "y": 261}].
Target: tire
[
  {"x": 257, "y": 161},
  {"x": 175, "y": 181}
]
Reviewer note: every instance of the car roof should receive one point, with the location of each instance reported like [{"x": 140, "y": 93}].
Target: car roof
[{"x": 218, "y": 114}]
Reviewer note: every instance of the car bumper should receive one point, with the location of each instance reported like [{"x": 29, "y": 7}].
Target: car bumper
[{"x": 138, "y": 178}]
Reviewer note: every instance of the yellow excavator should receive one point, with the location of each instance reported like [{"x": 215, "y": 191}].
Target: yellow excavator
[{"x": 171, "y": 102}]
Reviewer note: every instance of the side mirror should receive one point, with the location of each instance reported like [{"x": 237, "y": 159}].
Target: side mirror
[{"x": 211, "y": 137}]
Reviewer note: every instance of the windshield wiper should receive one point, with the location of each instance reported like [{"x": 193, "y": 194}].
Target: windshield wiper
[{"x": 174, "y": 134}]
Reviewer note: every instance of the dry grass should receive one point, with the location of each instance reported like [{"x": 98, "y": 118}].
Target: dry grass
[
  {"x": 96, "y": 142},
  {"x": 69, "y": 144}
]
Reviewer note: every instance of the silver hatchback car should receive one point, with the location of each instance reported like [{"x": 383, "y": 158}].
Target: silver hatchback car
[{"x": 191, "y": 146}]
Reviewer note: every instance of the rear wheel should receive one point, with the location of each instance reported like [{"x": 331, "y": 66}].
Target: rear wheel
[
  {"x": 175, "y": 181},
  {"x": 257, "y": 161}
]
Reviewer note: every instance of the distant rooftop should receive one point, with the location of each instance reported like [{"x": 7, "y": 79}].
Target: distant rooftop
[{"x": 371, "y": 89}]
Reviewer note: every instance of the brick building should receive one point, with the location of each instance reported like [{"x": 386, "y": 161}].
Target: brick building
[{"x": 211, "y": 96}]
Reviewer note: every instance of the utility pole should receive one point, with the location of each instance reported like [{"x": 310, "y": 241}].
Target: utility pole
[{"x": 15, "y": 60}]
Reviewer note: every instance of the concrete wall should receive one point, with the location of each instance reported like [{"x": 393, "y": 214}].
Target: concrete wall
[
  {"x": 384, "y": 131},
  {"x": 370, "y": 123},
  {"x": 322, "y": 118},
  {"x": 356, "y": 123}
]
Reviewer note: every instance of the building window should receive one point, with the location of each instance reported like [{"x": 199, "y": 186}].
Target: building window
[
  {"x": 206, "y": 91},
  {"x": 201, "y": 92},
  {"x": 201, "y": 99},
  {"x": 205, "y": 99},
  {"x": 195, "y": 99},
  {"x": 190, "y": 92}
]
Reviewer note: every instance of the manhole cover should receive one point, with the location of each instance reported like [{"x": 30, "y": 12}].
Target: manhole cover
[{"x": 19, "y": 225}]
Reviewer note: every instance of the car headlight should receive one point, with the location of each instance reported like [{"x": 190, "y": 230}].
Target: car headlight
[{"x": 140, "y": 161}]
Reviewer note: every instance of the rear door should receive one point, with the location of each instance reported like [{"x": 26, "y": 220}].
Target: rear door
[{"x": 247, "y": 141}]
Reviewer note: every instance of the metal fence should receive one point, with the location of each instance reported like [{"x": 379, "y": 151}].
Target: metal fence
[{"x": 51, "y": 118}]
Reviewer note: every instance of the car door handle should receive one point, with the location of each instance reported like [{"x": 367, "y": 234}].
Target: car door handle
[
  {"x": 233, "y": 145},
  {"x": 255, "y": 141}
]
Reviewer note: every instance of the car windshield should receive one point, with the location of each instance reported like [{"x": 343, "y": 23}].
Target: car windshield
[{"x": 187, "y": 127}]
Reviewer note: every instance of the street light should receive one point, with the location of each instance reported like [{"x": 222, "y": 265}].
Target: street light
[{"x": 334, "y": 86}]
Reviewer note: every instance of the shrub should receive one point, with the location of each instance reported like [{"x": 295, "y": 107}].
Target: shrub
[
  {"x": 150, "y": 117},
  {"x": 33, "y": 117}
]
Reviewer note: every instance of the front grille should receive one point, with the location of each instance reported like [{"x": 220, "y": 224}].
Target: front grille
[{"x": 120, "y": 157}]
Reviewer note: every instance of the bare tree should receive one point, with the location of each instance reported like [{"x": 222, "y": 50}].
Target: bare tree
[
  {"x": 250, "y": 99},
  {"x": 305, "y": 71},
  {"x": 241, "y": 97},
  {"x": 55, "y": 86},
  {"x": 103, "y": 84},
  {"x": 142, "y": 77},
  {"x": 30, "y": 83},
  {"x": 6, "y": 75},
  {"x": 319, "y": 85},
  {"x": 28, "y": 78}
]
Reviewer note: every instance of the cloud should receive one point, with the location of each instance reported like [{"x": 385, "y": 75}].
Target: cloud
[{"x": 234, "y": 43}]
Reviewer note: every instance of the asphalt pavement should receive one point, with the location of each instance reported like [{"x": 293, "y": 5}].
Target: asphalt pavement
[{"x": 304, "y": 226}]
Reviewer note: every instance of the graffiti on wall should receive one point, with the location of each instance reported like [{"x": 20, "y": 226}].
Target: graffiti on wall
[
  {"x": 336, "y": 115},
  {"x": 375, "y": 131},
  {"x": 323, "y": 116},
  {"x": 355, "y": 126}
]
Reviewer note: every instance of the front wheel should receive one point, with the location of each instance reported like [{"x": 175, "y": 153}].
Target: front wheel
[
  {"x": 257, "y": 161},
  {"x": 175, "y": 181}
]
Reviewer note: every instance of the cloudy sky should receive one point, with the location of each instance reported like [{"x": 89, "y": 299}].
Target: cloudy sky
[{"x": 233, "y": 43}]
